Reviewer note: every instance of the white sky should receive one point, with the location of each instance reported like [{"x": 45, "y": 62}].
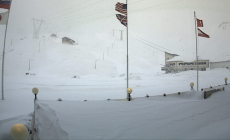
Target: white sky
[
  {"x": 162, "y": 20},
  {"x": 53, "y": 11}
]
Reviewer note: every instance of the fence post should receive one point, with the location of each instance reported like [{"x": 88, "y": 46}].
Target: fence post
[
  {"x": 204, "y": 94},
  {"x": 35, "y": 92}
]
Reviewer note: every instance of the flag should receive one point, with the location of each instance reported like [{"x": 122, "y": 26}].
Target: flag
[
  {"x": 199, "y": 23},
  {"x": 122, "y": 8},
  {"x": 5, "y": 4},
  {"x": 4, "y": 17},
  {"x": 202, "y": 34},
  {"x": 122, "y": 19}
]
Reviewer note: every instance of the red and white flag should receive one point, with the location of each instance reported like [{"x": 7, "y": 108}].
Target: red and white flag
[
  {"x": 202, "y": 34},
  {"x": 5, "y": 4},
  {"x": 199, "y": 23},
  {"x": 4, "y": 17},
  {"x": 122, "y": 19},
  {"x": 122, "y": 8}
]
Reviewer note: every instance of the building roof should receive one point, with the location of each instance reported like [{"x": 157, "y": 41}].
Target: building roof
[
  {"x": 221, "y": 58},
  {"x": 67, "y": 38},
  {"x": 185, "y": 58}
]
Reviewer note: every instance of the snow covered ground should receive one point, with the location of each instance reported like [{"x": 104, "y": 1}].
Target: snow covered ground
[{"x": 185, "y": 116}]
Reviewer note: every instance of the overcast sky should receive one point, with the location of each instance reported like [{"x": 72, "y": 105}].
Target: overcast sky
[
  {"x": 77, "y": 11},
  {"x": 166, "y": 21}
]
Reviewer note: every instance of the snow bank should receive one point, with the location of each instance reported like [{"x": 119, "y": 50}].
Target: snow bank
[
  {"x": 46, "y": 123},
  {"x": 5, "y": 125}
]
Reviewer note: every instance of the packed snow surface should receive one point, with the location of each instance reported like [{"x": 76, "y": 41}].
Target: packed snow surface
[{"x": 184, "y": 116}]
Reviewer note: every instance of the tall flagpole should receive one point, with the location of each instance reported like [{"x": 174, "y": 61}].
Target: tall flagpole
[
  {"x": 196, "y": 49},
  {"x": 127, "y": 49},
  {"x": 3, "y": 55}
]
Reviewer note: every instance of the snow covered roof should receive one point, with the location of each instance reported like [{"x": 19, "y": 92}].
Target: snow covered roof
[
  {"x": 221, "y": 58},
  {"x": 185, "y": 58}
]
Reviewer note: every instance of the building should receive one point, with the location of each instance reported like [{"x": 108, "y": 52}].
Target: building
[
  {"x": 66, "y": 40},
  {"x": 169, "y": 56},
  {"x": 54, "y": 35},
  {"x": 175, "y": 63},
  {"x": 220, "y": 64}
]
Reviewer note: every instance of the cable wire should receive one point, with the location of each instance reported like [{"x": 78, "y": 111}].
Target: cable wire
[
  {"x": 152, "y": 43},
  {"x": 147, "y": 45},
  {"x": 113, "y": 14}
]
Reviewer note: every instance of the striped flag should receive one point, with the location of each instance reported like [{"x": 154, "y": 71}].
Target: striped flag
[
  {"x": 122, "y": 19},
  {"x": 122, "y": 8},
  {"x": 199, "y": 23},
  {"x": 5, "y": 4},
  {"x": 4, "y": 17},
  {"x": 202, "y": 34}
]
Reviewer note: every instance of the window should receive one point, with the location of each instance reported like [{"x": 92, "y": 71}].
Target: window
[{"x": 202, "y": 63}]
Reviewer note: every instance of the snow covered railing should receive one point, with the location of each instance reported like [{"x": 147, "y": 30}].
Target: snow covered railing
[
  {"x": 209, "y": 91},
  {"x": 44, "y": 124}
]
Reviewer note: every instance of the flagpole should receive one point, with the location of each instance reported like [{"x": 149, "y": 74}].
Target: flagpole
[
  {"x": 196, "y": 49},
  {"x": 3, "y": 55},
  {"x": 127, "y": 48}
]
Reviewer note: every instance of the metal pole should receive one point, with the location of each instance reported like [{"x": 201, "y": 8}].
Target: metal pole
[
  {"x": 196, "y": 50},
  {"x": 29, "y": 64},
  {"x": 34, "y": 29},
  {"x": 3, "y": 55},
  {"x": 33, "y": 120},
  {"x": 121, "y": 35},
  {"x": 127, "y": 48}
]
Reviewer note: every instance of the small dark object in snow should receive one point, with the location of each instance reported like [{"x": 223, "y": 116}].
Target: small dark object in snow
[
  {"x": 202, "y": 89},
  {"x": 164, "y": 94},
  {"x": 223, "y": 88},
  {"x": 210, "y": 86},
  {"x": 59, "y": 99},
  {"x": 85, "y": 100},
  {"x": 108, "y": 99},
  {"x": 147, "y": 96},
  {"x": 178, "y": 93}
]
